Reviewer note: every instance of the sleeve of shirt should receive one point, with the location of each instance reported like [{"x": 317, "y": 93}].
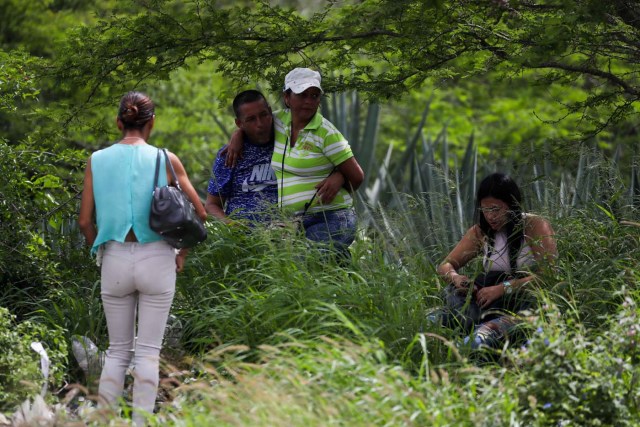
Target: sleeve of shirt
[
  {"x": 220, "y": 182},
  {"x": 336, "y": 147}
]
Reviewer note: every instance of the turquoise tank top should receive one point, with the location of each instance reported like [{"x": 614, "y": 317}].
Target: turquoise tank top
[{"x": 122, "y": 189}]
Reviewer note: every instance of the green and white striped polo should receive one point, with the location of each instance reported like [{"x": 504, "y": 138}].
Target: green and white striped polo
[{"x": 319, "y": 147}]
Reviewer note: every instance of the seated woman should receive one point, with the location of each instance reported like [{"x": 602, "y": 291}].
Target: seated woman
[{"x": 511, "y": 243}]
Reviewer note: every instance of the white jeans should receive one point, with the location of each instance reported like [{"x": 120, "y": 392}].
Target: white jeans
[{"x": 142, "y": 277}]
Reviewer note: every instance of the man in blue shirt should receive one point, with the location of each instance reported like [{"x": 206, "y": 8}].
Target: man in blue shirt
[{"x": 249, "y": 190}]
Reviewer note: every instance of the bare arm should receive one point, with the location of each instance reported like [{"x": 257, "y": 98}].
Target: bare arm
[
  {"x": 349, "y": 175},
  {"x": 215, "y": 206},
  {"x": 353, "y": 174},
  {"x": 233, "y": 149},
  {"x": 87, "y": 208},
  {"x": 330, "y": 186},
  {"x": 467, "y": 248},
  {"x": 188, "y": 189},
  {"x": 186, "y": 185},
  {"x": 541, "y": 238}
]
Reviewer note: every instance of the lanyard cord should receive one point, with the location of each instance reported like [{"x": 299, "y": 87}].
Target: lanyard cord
[{"x": 282, "y": 172}]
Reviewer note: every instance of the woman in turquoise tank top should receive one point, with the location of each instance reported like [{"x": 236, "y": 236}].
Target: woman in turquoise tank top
[{"x": 138, "y": 268}]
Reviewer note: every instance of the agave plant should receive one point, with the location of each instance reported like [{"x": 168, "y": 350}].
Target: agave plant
[{"x": 423, "y": 197}]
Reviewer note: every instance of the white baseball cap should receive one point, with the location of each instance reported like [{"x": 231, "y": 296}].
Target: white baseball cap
[{"x": 301, "y": 79}]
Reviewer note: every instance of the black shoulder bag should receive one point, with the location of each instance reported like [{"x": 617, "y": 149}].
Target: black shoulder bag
[{"x": 173, "y": 216}]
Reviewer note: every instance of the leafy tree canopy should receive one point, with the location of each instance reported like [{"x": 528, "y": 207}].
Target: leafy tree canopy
[{"x": 382, "y": 48}]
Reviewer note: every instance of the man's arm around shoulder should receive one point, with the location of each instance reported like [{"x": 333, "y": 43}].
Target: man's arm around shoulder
[{"x": 215, "y": 206}]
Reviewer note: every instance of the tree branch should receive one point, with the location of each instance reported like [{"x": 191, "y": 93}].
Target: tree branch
[{"x": 627, "y": 88}]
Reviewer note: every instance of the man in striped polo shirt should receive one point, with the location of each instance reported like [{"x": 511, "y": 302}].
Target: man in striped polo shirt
[
  {"x": 308, "y": 149},
  {"x": 315, "y": 168}
]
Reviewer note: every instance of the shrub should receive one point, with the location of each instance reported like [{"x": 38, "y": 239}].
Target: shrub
[
  {"x": 331, "y": 382},
  {"x": 575, "y": 376},
  {"x": 20, "y": 375}
]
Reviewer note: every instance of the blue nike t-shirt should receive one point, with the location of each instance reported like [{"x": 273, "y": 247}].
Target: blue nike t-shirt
[{"x": 250, "y": 189}]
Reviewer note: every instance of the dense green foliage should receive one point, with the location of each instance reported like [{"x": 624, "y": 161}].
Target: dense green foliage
[
  {"x": 432, "y": 96},
  {"x": 37, "y": 220},
  {"x": 277, "y": 331},
  {"x": 578, "y": 376},
  {"x": 20, "y": 369},
  {"x": 380, "y": 47},
  {"x": 565, "y": 376}
]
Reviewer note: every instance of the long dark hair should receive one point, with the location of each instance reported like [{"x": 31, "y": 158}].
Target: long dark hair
[{"x": 502, "y": 187}]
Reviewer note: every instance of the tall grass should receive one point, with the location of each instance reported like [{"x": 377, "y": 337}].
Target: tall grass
[
  {"x": 276, "y": 332},
  {"x": 243, "y": 288},
  {"x": 566, "y": 375},
  {"x": 330, "y": 381}
]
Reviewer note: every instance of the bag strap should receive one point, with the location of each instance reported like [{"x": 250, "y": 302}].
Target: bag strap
[
  {"x": 155, "y": 180},
  {"x": 168, "y": 162},
  {"x": 308, "y": 204}
]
